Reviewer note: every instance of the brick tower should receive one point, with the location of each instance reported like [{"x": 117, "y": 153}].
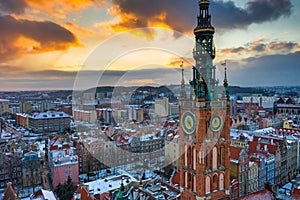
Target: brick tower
[{"x": 205, "y": 122}]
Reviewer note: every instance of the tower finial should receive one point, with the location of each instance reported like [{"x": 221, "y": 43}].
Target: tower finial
[
  {"x": 182, "y": 70},
  {"x": 225, "y": 82},
  {"x": 225, "y": 77},
  {"x": 182, "y": 88}
]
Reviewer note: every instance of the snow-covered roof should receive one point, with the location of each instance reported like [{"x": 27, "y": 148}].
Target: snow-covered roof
[
  {"x": 43, "y": 195},
  {"x": 49, "y": 115},
  {"x": 109, "y": 184}
]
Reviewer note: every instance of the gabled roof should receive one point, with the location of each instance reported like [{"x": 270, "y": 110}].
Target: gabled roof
[
  {"x": 235, "y": 152},
  {"x": 43, "y": 195},
  {"x": 255, "y": 147},
  {"x": 290, "y": 100},
  {"x": 82, "y": 194},
  {"x": 10, "y": 193},
  {"x": 281, "y": 100},
  {"x": 264, "y": 194}
]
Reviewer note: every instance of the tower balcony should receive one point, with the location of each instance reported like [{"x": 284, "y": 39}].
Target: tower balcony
[
  {"x": 204, "y": 2},
  {"x": 204, "y": 30},
  {"x": 203, "y": 104}
]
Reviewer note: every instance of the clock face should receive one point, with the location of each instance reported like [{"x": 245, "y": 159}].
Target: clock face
[
  {"x": 188, "y": 122},
  {"x": 216, "y": 123}
]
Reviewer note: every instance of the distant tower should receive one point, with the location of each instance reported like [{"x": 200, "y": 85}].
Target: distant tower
[
  {"x": 205, "y": 123},
  {"x": 182, "y": 87}
]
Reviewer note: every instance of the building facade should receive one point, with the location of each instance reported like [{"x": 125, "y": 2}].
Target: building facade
[
  {"x": 25, "y": 107},
  {"x": 239, "y": 169},
  {"x": 253, "y": 177},
  {"x": 31, "y": 163},
  {"x": 11, "y": 169},
  {"x": 63, "y": 161},
  {"x": 4, "y": 107},
  {"x": 172, "y": 151},
  {"x": 204, "y": 122},
  {"x": 162, "y": 107},
  {"x": 22, "y": 119},
  {"x": 49, "y": 122}
]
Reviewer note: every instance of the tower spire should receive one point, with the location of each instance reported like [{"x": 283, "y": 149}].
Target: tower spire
[
  {"x": 225, "y": 82},
  {"x": 204, "y": 121},
  {"x": 182, "y": 87},
  {"x": 182, "y": 70},
  {"x": 204, "y": 53}
]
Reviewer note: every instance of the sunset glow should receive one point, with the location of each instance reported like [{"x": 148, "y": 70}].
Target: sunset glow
[{"x": 40, "y": 37}]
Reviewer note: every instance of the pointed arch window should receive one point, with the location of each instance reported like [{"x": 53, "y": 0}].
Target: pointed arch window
[
  {"x": 195, "y": 184},
  {"x": 221, "y": 182},
  {"x": 207, "y": 185},
  {"x": 221, "y": 156},
  {"x": 215, "y": 178},
  {"x": 206, "y": 160},
  {"x": 215, "y": 158},
  {"x": 194, "y": 158},
  {"x": 185, "y": 155},
  {"x": 201, "y": 157},
  {"x": 185, "y": 179}
]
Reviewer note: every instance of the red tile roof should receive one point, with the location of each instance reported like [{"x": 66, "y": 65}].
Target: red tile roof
[
  {"x": 235, "y": 152},
  {"x": 268, "y": 138},
  {"x": 264, "y": 194},
  {"x": 84, "y": 194},
  {"x": 120, "y": 139},
  {"x": 254, "y": 147},
  {"x": 254, "y": 159},
  {"x": 296, "y": 194},
  {"x": 176, "y": 178}
]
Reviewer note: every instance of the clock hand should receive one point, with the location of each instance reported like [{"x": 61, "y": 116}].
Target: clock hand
[{"x": 189, "y": 123}]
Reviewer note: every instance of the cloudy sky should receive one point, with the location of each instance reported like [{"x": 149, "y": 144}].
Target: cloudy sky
[{"x": 65, "y": 44}]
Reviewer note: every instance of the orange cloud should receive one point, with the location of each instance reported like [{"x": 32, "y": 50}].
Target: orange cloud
[
  {"x": 79, "y": 30},
  {"x": 262, "y": 46},
  {"x": 20, "y": 37},
  {"x": 237, "y": 50},
  {"x": 125, "y": 21},
  {"x": 59, "y": 8},
  {"x": 176, "y": 62},
  {"x": 53, "y": 8}
]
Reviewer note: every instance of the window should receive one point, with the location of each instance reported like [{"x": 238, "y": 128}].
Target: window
[
  {"x": 221, "y": 182},
  {"x": 215, "y": 178},
  {"x": 215, "y": 158},
  {"x": 207, "y": 185},
  {"x": 221, "y": 156}
]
